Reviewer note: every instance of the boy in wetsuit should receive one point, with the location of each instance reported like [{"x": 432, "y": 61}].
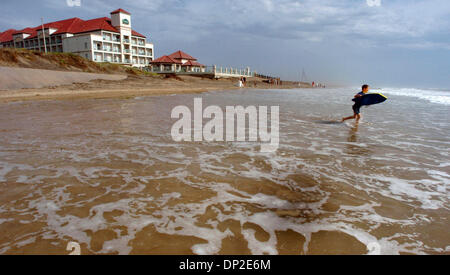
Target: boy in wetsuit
[{"x": 357, "y": 106}]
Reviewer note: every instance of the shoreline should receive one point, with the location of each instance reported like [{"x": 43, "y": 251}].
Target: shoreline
[
  {"x": 133, "y": 86},
  {"x": 29, "y": 76}
]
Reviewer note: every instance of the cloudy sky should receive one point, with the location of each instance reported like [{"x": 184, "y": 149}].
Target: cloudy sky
[{"x": 397, "y": 43}]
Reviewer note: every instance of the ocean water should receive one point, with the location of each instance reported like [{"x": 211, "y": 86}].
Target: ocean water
[
  {"x": 430, "y": 95},
  {"x": 107, "y": 175}
]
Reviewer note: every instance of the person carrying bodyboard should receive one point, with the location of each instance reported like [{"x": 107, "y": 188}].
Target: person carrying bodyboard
[{"x": 364, "y": 99}]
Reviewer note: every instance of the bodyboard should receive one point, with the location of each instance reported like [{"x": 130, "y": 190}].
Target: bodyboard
[{"x": 370, "y": 99}]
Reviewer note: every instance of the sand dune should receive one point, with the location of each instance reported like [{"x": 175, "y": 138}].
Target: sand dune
[{"x": 24, "y": 78}]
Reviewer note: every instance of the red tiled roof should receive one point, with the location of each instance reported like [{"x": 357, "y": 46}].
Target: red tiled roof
[
  {"x": 135, "y": 33},
  {"x": 73, "y": 25},
  {"x": 120, "y": 10},
  {"x": 62, "y": 26},
  {"x": 27, "y": 30},
  {"x": 182, "y": 55},
  {"x": 103, "y": 23},
  {"x": 193, "y": 63},
  {"x": 31, "y": 31},
  {"x": 7, "y": 35},
  {"x": 166, "y": 59}
]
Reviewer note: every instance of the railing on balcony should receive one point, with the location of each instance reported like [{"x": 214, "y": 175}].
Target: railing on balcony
[
  {"x": 232, "y": 71},
  {"x": 208, "y": 70}
]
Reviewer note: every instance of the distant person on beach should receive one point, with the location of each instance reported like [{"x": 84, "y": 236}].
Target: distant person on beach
[
  {"x": 357, "y": 106},
  {"x": 241, "y": 82}
]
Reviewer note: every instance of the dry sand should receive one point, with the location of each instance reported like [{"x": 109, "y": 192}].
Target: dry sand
[
  {"x": 25, "y": 78},
  {"x": 105, "y": 86}
]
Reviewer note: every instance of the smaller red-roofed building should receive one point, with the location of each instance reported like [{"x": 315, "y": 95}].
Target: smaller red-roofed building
[
  {"x": 105, "y": 39},
  {"x": 165, "y": 64},
  {"x": 178, "y": 62}
]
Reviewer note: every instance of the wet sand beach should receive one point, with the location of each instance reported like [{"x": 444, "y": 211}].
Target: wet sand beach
[{"x": 106, "y": 173}]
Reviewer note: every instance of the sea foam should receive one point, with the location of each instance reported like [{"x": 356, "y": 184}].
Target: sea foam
[{"x": 433, "y": 96}]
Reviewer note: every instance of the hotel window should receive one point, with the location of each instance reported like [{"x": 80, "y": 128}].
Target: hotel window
[{"x": 85, "y": 45}]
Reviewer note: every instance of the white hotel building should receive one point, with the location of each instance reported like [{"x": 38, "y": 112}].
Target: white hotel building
[{"x": 100, "y": 40}]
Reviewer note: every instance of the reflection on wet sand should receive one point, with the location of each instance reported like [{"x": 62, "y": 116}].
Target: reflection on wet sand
[
  {"x": 353, "y": 147},
  {"x": 353, "y": 136}
]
